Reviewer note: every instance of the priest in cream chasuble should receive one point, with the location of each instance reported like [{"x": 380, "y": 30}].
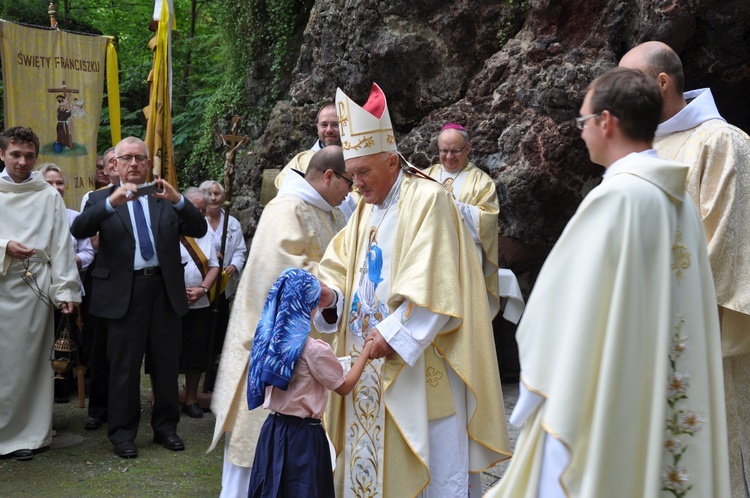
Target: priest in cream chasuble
[
  {"x": 621, "y": 393},
  {"x": 428, "y": 410}
]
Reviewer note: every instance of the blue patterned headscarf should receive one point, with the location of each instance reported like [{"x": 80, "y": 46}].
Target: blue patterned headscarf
[{"x": 281, "y": 333}]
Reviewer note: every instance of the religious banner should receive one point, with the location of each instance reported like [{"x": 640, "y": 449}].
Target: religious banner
[
  {"x": 159, "y": 110},
  {"x": 53, "y": 82}
]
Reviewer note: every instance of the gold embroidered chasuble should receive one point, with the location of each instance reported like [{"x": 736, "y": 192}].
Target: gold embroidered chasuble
[
  {"x": 479, "y": 190},
  {"x": 719, "y": 183},
  {"x": 620, "y": 339},
  {"x": 380, "y": 431},
  {"x": 290, "y": 233}
]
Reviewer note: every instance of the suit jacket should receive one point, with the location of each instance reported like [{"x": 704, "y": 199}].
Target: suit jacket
[{"x": 113, "y": 275}]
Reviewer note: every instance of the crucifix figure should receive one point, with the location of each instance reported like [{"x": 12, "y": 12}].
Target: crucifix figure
[
  {"x": 64, "y": 114},
  {"x": 231, "y": 142}
]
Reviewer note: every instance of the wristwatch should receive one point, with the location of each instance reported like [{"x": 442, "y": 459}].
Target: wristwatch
[{"x": 205, "y": 289}]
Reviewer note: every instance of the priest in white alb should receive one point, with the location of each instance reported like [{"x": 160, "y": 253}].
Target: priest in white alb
[
  {"x": 427, "y": 415},
  {"x": 34, "y": 239}
]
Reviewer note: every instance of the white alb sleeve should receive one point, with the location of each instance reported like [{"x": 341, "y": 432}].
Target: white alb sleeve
[{"x": 409, "y": 337}]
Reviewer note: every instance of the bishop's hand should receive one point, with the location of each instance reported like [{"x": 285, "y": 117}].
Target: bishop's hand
[{"x": 380, "y": 348}]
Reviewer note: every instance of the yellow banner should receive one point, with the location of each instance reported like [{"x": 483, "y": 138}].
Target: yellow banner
[
  {"x": 53, "y": 82},
  {"x": 159, "y": 110}
]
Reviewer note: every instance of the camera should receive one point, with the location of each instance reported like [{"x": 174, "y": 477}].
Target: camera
[{"x": 147, "y": 189}]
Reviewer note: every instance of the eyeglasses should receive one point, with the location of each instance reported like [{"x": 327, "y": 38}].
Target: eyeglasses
[
  {"x": 347, "y": 180},
  {"x": 325, "y": 125},
  {"x": 126, "y": 159},
  {"x": 455, "y": 152},
  {"x": 581, "y": 121}
]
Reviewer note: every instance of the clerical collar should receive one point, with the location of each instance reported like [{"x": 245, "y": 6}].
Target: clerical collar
[
  {"x": 700, "y": 109},
  {"x": 393, "y": 194},
  {"x": 317, "y": 145}
]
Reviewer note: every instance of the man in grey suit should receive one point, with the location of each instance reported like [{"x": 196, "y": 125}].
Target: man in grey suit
[{"x": 138, "y": 287}]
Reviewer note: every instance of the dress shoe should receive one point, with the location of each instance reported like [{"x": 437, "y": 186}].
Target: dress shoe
[
  {"x": 126, "y": 449},
  {"x": 193, "y": 410},
  {"x": 93, "y": 423},
  {"x": 22, "y": 455},
  {"x": 170, "y": 441}
]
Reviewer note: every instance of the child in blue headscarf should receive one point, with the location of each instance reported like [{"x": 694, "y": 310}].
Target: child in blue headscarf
[{"x": 290, "y": 374}]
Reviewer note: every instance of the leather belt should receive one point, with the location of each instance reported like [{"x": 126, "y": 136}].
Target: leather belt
[{"x": 151, "y": 270}]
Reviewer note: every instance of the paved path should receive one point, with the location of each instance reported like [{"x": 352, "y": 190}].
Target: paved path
[{"x": 510, "y": 396}]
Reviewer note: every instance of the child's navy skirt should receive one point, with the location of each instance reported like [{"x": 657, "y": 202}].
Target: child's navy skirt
[{"x": 292, "y": 459}]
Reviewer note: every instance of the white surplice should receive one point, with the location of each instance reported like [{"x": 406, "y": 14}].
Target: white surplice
[{"x": 32, "y": 213}]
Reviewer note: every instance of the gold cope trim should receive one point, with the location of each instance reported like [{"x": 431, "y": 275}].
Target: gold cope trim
[{"x": 555, "y": 435}]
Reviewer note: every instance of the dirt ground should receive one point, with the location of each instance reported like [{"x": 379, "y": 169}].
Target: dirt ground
[{"x": 81, "y": 463}]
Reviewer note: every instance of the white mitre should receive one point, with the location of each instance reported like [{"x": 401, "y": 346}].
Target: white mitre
[{"x": 364, "y": 130}]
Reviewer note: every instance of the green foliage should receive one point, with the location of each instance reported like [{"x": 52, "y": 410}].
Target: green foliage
[
  {"x": 197, "y": 70},
  {"x": 252, "y": 31},
  {"x": 512, "y": 23},
  {"x": 233, "y": 41},
  {"x": 27, "y": 11}
]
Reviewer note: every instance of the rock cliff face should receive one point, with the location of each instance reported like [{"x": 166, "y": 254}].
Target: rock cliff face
[{"x": 443, "y": 62}]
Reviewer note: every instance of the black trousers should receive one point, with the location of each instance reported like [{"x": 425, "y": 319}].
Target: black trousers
[
  {"x": 150, "y": 327},
  {"x": 98, "y": 370}
]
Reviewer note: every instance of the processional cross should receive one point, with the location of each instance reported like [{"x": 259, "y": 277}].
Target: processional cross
[{"x": 232, "y": 142}]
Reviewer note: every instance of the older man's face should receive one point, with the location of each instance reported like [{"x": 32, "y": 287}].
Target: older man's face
[
  {"x": 200, "y": 204},
  {"x": 373, "y": 175},
  {"x": 132, "y": 162},
  {"x": 454, "y": 150},
  {"x": 101, "y": 173},
  {"x": 110, "y": 168}
]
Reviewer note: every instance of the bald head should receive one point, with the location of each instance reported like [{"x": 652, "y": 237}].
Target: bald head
[
  {"x": 654, "y": 58},
  {"x": 327, "y": 175},
  {"x": 659, "y": 62},
  {"x": 331, "y": 157}
]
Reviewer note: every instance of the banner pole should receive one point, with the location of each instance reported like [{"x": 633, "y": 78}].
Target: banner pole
[{"x": 52, "y": 11}]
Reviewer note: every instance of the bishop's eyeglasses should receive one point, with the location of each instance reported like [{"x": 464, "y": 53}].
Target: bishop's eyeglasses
[{"x": 455, "y": 152}]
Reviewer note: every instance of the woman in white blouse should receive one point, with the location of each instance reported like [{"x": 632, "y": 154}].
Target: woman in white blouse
[{"x": 233, "y": 256}]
